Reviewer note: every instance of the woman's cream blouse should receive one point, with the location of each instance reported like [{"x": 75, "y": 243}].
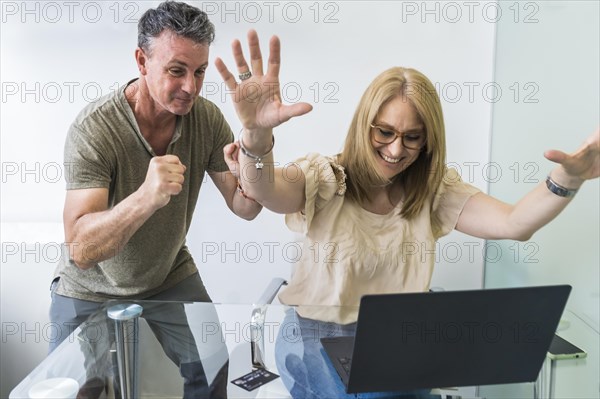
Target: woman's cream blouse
[{"x": 349, "y": 252}]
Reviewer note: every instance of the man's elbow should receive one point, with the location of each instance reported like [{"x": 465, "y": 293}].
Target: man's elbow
[
  {"x": 78, "y": 258},
  {"x": 81, "y": 264}
]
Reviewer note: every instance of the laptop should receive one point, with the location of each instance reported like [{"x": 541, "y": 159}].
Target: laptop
[{"x": 448, "y": 339}]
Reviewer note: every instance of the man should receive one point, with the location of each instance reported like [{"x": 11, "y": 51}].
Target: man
[{"x": 136, "y": 160}]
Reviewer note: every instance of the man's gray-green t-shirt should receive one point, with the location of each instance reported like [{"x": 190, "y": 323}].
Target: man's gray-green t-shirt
[{"x": 105, "y": 149}]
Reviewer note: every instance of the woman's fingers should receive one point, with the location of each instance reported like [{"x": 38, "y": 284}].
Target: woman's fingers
[
  {"x": 227, "y": 76},
  {"x": 255, "y": 53},
  {"x": 274, "y": 57},
  {"x": 290, "y": 111}
]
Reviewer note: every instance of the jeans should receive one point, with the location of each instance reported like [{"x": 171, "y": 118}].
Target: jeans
[{"x": 304, "y": 367}]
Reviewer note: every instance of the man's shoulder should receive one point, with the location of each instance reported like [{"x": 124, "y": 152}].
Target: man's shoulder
[{"x": 105, "y": 107}]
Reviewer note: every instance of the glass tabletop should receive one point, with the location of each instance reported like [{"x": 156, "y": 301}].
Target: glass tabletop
[
  {"x": 168, "y": 350},
  {"x": 176, "y": 349}
]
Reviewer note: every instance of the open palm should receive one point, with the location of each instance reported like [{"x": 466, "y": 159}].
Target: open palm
[
  {"x": 257, "y": 100},
  {"x": 583, "y": 163}
]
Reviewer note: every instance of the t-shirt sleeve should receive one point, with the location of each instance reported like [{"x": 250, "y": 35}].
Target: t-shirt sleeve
[
  {"x": 449, "y": 201},
  {"x": 222, "y": 135},
  {"x": 86, "y": 160},
  {"x": 324, "y": 179}
]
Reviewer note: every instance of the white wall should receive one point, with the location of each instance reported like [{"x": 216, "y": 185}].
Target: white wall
[{"x": 58, "y": 56}]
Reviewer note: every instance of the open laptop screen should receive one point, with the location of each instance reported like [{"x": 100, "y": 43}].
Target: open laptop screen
[{"x": 454, "y": 338}]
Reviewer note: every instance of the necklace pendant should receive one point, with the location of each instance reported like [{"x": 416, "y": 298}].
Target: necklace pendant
[{"x": 259, "y": 165}]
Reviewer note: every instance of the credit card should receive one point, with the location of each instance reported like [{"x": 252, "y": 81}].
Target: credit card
[{"x": 254, "y": 379}]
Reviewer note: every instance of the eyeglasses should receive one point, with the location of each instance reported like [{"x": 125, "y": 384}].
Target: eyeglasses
[{"x": 386, "y": 135}]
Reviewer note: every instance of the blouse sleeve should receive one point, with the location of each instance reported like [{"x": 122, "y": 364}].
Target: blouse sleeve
[
  {"x": 449, "y": 201},
  {"x": 324, "y": 180}
]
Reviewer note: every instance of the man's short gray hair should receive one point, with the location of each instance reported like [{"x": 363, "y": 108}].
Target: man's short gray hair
[{"x": 180, "y": 18}]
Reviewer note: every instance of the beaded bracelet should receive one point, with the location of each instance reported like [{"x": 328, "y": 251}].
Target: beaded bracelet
[{"x": 257, "y": 158}]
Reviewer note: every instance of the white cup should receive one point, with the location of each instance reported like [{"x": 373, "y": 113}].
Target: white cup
[{"x": 56, "y": 388}]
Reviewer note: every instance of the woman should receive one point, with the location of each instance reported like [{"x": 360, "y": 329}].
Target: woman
[{"x": 375, "y": 210}]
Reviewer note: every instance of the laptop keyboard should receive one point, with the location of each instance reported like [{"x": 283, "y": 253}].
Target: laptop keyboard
[{"x": 345, "y": 362}]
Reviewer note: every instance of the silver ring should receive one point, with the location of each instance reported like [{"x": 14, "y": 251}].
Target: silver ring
[{"x": 246, "y": 75}]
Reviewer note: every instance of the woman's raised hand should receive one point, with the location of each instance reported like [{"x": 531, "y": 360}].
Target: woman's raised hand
[
  {"x": 584, "y": 163},
  {"x": 257, "y": 97}
]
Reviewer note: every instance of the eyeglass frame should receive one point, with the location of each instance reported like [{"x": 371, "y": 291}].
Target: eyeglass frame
[{"x": 401, "y": 135}]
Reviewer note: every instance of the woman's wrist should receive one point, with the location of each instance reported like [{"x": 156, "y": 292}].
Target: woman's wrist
[
  {"x": 561, "y": 177},
  {"x": 257, "y": 140},
  {"x": 253, "y": 151},
  {"x": 560, "y": 183}
]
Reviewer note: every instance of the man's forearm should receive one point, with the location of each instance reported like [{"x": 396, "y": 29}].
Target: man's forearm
[{"x": 99, "y": 236}]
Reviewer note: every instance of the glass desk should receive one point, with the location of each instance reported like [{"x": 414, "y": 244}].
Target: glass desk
[
  {"x": 562, "y": 378},
  {"x": 118, "y": 354}
]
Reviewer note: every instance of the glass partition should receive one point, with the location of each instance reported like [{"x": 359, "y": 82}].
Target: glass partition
[{"x": 548, "y": 56}]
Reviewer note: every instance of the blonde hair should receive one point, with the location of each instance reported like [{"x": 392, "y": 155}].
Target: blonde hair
[{"x": 423, "y": 176}]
